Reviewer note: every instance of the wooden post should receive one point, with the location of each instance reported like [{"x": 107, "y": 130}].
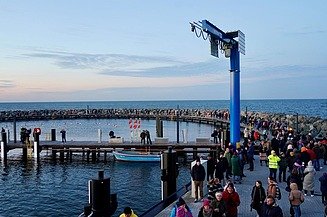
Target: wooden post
[
  {"x": 194, "y": 153},
  {"x": 54, "y": 154},
  {"x": 70, "y": 155},
  {"x": 94, "y": 155},
  {"x": 62, "y": 154},
  {"x": 88, "y": 155}
]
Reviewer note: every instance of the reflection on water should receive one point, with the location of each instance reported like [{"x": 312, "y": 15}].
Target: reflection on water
[{"x": 60, "y": 189}]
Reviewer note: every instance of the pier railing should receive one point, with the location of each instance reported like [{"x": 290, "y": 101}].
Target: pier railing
[{"x": 157, "y": 208}]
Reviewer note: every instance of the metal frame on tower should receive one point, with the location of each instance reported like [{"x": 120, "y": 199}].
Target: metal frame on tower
[{"x": 227, "y": 44}]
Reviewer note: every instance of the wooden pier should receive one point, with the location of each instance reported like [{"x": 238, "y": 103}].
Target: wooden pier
[{"x": 94, "y": 150}]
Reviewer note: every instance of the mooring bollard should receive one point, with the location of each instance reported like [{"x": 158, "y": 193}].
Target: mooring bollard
[
  {"x": 99, "y": 135},
  {"x": 4, "y": 147},
  {"x": 53, "y": 134},
  {"x": 169, "y": 173},
  {"x": 101, "y": 202}
]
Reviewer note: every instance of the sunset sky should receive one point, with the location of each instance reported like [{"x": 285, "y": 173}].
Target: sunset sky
[{"x": 110, "y": 50}]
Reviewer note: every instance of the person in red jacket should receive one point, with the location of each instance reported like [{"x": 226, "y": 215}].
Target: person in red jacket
[{"x": 232, "y": 200}]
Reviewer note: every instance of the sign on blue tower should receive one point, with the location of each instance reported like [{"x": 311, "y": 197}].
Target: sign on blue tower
[{"x": 227, "y": 43}]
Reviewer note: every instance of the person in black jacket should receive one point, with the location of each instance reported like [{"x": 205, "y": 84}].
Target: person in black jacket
[
  {"x": 282, "y": 167},
  {"x": 210, "y": 167},
  {"x": 323, "y": 187},
  {"x": 258, "y": 196},
  {"x": 198, "y": 176},
  {"x": 270, "y": 208},
  {"x": 221, "y": 167}
]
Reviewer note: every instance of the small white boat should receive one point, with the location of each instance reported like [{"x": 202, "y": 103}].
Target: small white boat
[{"x": 135, "y": 156}]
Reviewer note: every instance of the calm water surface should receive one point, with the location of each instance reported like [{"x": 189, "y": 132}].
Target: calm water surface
[{"x": 60, "y": 189}]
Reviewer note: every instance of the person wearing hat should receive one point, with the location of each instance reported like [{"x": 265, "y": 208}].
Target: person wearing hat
[
  {"x": 181, "y": 209},
  {"x": 198, "y": 174},
  {"x": 206, "y": 210},
  {"x": 273, "y": 160},
  {"x": 218, "y": 205}
]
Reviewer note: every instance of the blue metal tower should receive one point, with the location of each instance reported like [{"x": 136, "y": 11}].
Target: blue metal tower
[{"x": 232, "y": 48}]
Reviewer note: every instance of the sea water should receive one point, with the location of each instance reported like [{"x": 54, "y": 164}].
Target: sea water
[{"x": 60, "y": 189}]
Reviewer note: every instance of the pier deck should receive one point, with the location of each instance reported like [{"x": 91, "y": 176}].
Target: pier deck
[{"x": 312, "y": 206}]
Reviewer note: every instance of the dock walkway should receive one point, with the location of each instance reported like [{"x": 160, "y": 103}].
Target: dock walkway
[{"x": 312, "y": 206}]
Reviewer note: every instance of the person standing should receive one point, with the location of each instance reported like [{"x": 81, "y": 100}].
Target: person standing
[
  {"x": 215, "y": 136},
  {"x": 250, "y": 155},
  {"x": 206, "y": 210},
  {"x": 218, "y": 205},
  {"x": 221, "y": 167},
  {"x": 210, "y": 167},
  {"x": 231, "y": 199},
  {"x": 246, "y": 133},
  {"x": 270, "y": 208},
  {"x": 148, "y": 138},
  {"x": 198, "y": 176},
  {"x": 258, "y": 196},
  {"x": 323, "y": 187},
  {"x": 263, "y": 149},
  {"x": 236, "y": 168},
  {"x": 181, "y": 208},
  {"x": 228, "y": 156},
  {"x": 63, "y": 135},
  {"x": 213, "y": 187},
  {"x": 142, "y": 136},
  {"x": 273, "y": 160},
  {"x": 309, "y": 179},
  {"x": 272, "y": 187},
  {"x": 296, "y": 198},
  {"x": 282, "y": 167}
]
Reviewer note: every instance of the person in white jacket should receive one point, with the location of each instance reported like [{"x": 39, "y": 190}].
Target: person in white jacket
[{"x": 308, "y": 180}]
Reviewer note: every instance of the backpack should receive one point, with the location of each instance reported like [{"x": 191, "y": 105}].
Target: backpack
[{"x": 278, "y": 193}]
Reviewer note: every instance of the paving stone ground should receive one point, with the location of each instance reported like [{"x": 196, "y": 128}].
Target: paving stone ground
[{"x": 312, "y": 206}]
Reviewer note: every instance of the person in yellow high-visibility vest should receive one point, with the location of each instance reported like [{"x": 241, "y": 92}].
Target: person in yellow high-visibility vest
[{"x": 273, "y": 160}]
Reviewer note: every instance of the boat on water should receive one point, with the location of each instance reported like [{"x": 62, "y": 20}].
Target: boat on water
[{"x": 136, "y": 156}]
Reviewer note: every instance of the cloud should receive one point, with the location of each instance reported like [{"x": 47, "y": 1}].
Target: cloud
[
  {"x": 130, "y": 65},
  {"x": 117, "y": 62},
  {"x": 306, "y": 31},
  {"x": 6, "y": 84},
  {"x": 268, "y": 73},
  {"x": 181, "y": 70}
]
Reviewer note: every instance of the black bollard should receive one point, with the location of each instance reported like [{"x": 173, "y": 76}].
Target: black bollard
[
  {"x": 103, "y": 203},
  {"x": 53, "y": 134},
  {"x": 177, "y": 124},
  {"x": 169, "y": 173},
  {"x": 15, "y": 131}
]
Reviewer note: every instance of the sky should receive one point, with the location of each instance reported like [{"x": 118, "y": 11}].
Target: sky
[{"x": 119, "y": 50}]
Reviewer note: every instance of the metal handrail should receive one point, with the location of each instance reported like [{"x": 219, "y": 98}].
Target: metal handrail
[{"x": 157, "y": 208}]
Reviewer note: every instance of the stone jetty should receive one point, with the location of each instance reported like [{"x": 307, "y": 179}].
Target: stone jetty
[{"x": 305, "y": 124}]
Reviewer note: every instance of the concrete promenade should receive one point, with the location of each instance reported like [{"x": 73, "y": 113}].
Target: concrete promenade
[{"x": 312, "y": 206}]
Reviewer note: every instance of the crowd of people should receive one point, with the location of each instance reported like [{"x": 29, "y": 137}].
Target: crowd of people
[{"x": 289, "y": 158}]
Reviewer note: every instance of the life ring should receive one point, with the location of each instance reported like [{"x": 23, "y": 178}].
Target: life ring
[{"x": 37, "y": 130}]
